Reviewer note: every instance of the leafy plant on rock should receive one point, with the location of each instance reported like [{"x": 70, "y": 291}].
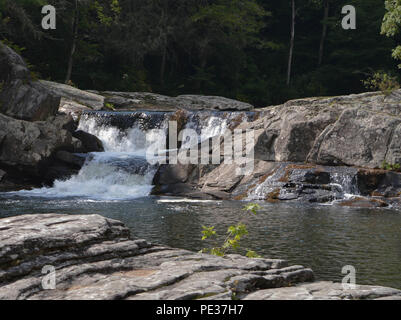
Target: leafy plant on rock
[
  {"x": 382, "y": 81},
  {"x": 391, "y": 167},
  {"x": 234, "y": 235}
]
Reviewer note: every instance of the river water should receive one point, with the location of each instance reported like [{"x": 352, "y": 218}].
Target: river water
[
  {"x": 324, "y": 238},
  {"x": 117, "y": 184}
]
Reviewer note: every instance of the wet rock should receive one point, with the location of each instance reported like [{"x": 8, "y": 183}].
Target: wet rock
[
  {"x": 90, "y": 142},
  {"x": 380, "y": 183},
  {"x": 359, "y": 202},
  {"x": 173, "y": 174},
  {"x": 314, "y": 176},
  {"x": 21, "y": 96},
  {"x": 57, "y": 171},
  {"x": 74, "y": 159}
]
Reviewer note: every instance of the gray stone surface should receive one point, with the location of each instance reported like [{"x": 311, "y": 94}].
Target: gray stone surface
[
  {"x": 326, "y": 290},
  {"x": 153, "y": 101},
  {"x": 95, "y": 258},
  {"x": 73, "y": 159},
  {"x": 303, "y": 150},
  {"x": 21, "y": 96},
  {"x": 74, "y": 99},
  {"x": 26, "y": 144}
]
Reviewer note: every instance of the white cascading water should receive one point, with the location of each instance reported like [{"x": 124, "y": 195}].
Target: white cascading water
[
  {"x": 346, "y": 183},
  {"x": 121, "y": 172}
]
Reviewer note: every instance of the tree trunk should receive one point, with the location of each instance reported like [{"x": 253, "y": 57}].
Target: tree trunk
[
  {"x": 74, "y": 43},
  {"x": 163, "y": 65},
  {"x": 291, "y": 42},
  {"x": 324, "y": 32}
]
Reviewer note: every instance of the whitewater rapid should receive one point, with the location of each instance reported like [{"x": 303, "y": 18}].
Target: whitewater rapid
[{"x": 122, "y": 171}]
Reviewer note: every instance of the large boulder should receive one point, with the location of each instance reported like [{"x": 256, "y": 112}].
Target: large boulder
[
  {"x": 90, "y": 142},
  {"x": 153, "y": 101},
  {"x": 26, "y": 147},
  {"x": 21, "y": 96},
  {"x": 356, "y": 130},
  {"x": 73, "y": 99},
  {"x": 359, "y": 137}
]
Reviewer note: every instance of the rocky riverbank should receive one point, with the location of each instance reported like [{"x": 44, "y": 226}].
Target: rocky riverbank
[
  {"x": 316, "y": 150},
  {"x": 39, "y": 141},
  {"x": 95, "y": 258}
]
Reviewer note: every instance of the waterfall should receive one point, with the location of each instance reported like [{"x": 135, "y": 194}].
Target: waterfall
[
  {"x": 346, "y": 181},
  {"x": 122, "y": 171}
]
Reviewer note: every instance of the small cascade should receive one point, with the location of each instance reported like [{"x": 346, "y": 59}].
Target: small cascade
[
  {"x": 298, "y": 182},
  {"x": 271, "y": 184},
  {"x": 346, "y": 181}
]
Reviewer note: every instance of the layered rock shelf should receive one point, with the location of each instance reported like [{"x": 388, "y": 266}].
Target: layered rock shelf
[{"x": 95, "y": 258}]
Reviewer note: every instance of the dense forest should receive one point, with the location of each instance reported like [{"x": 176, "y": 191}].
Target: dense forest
[{"x": 259, "y": 51}]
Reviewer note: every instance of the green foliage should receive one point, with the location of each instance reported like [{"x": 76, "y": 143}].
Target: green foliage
[
  {"x": 392, "y": 24},
  {"x": 252, "y": 254},
  {"x": 13, "y": 46},
  {"x": 234, "y": 235},
  {"x": 232, "y": 48},
  {"x": 391, "y": 167},
  {"x": 252, "y": 207},
  {"x": 382, "y": 81},
  {"x": 208, "y": 232},
  {"x": 109, "y": 106},
  {"x": 114, "y": 8}
]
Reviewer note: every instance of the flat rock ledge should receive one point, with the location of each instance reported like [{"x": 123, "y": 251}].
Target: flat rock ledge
[{"x": 95, "y": 258}]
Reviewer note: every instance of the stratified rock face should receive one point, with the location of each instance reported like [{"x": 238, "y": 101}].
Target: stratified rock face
[
  {"x": 94, "y": 258},
  {"x": 355, "y": 130},
  {"x": 282, "y": 181},
  {"x": 152, "y": 101},
  {"x": 303, "y": 150},
  {"x": 326, "y": 290},
  {"x": 20, "y": 96},
  {"x": 73, "y": 99}
]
